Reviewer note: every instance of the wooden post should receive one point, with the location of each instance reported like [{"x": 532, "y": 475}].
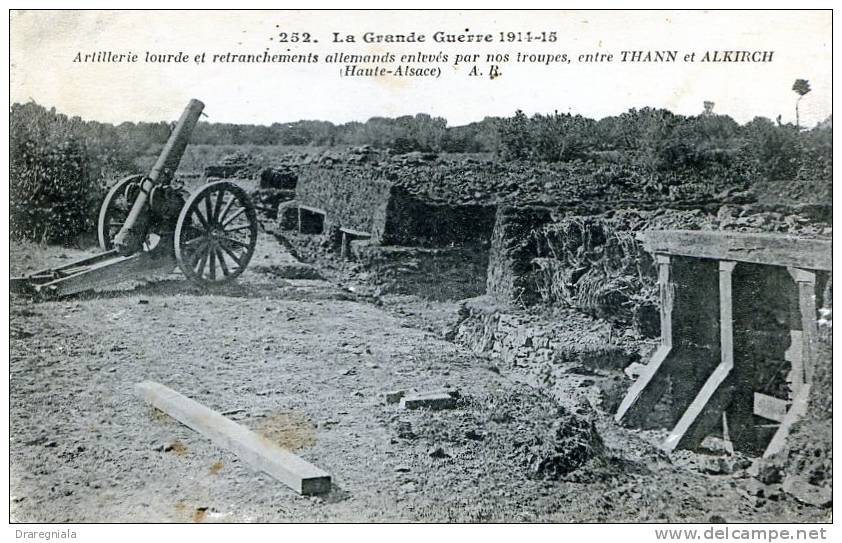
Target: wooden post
[
  {"x": 648, "y": 384},
  {"x": 706, "y": 408},
  {"x": 806, "y": 281},
  {"x": 299, "y": 219},
  {"x": 795, "y": 356},
  {"x": 666, "y": 290},
  {"x": 726, "y": 312},
  {"x": 803, "y": 361},
  {"x": 345, "y": 250}
]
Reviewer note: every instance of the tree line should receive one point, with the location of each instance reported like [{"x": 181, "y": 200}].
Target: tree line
[{"x": 59, "y": 165}]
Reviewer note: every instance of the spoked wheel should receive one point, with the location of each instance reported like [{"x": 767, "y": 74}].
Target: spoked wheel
[
  {"x": 216, "y": 233},
  {"x": 115, "y": 208}
]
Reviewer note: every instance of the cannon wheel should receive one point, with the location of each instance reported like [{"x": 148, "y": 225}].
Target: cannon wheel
[
  {"x": 113, "y": 212},
  {"x": 216, "y": 233}
]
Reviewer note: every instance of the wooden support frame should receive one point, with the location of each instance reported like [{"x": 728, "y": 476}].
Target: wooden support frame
[
  {"x": 632, "y": 403},
  {"x": 806, "y": 282},
  {"x": 702, "y": 412},
  {"x": 802, "y": 362},
  {"x": 357, "y": 234},
  {"x": 305, "y": 215},
  {"x": 723, "y": 396},
  {"x": 349, "y": 235}
]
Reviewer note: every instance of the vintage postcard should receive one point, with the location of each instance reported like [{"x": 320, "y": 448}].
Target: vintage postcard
[{"x": 421, "y": 267}]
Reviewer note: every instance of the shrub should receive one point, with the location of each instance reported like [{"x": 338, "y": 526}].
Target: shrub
[{"x": 53, "y": 191}]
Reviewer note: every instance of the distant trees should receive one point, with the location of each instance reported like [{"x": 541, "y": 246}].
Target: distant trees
[
  {"x": 675, "y": 147},
  {"x": 661, "y": 138},
  {"x": 420, "y": 132},
  {"x": 59, "y": 165},
  {"x": 774, "y": 148}
]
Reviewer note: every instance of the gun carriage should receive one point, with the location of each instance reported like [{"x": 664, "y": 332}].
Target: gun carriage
[{"x": 148, "y": 225}]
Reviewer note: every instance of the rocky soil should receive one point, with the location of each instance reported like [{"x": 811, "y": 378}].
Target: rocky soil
[{"x": 307, "y": 363}]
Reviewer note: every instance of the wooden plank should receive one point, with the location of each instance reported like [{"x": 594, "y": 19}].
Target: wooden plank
[
  {"x": 796, "y": 411},
  {"x": 311, "y": 209},
  {"x": 252, "y": 448},
  {"x": 434, "y": 401},
  {"x": 355, "y": 233},
  {"x": 726, "y": 313},
  {"x": 771, "y": 249},
  {"x": 645, "y": 385},
  {"x": 740, "y": 400},
  {"x": 770, "y": 407},
  {"x": 693, "y": 415}
]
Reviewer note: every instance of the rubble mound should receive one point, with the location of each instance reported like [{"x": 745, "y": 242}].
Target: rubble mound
[
  {"x": 809, "y": 451},
  {"x": 467, "y": 180},
  {"x": 548, "y": 440},
  {"x": 239, "y": 165},
  {"x": 282, "y": 176}
]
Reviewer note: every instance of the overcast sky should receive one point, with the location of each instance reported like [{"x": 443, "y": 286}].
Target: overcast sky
[{"x": 43, "y": 47}]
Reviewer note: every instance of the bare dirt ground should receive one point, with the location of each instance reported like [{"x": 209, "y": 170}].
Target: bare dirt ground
[{"x": 307, "y": 363}]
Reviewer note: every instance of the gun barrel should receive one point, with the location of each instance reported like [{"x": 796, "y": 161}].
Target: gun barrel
[{"x": 131, "y": 236}]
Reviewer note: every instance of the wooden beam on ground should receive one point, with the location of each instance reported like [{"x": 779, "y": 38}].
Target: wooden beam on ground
[
  {"x": 252, "y": 448},
  {"x": 771, "y": 249}
]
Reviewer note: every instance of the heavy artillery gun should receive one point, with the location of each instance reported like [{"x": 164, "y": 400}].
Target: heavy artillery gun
[{"x": 148, "y": 225}]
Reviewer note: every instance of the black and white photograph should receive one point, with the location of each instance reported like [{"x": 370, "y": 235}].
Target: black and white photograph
[{"x": 430, "y": 266}]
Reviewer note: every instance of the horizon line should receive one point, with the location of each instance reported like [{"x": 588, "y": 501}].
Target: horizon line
[{"x": 447, "y": 121}]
